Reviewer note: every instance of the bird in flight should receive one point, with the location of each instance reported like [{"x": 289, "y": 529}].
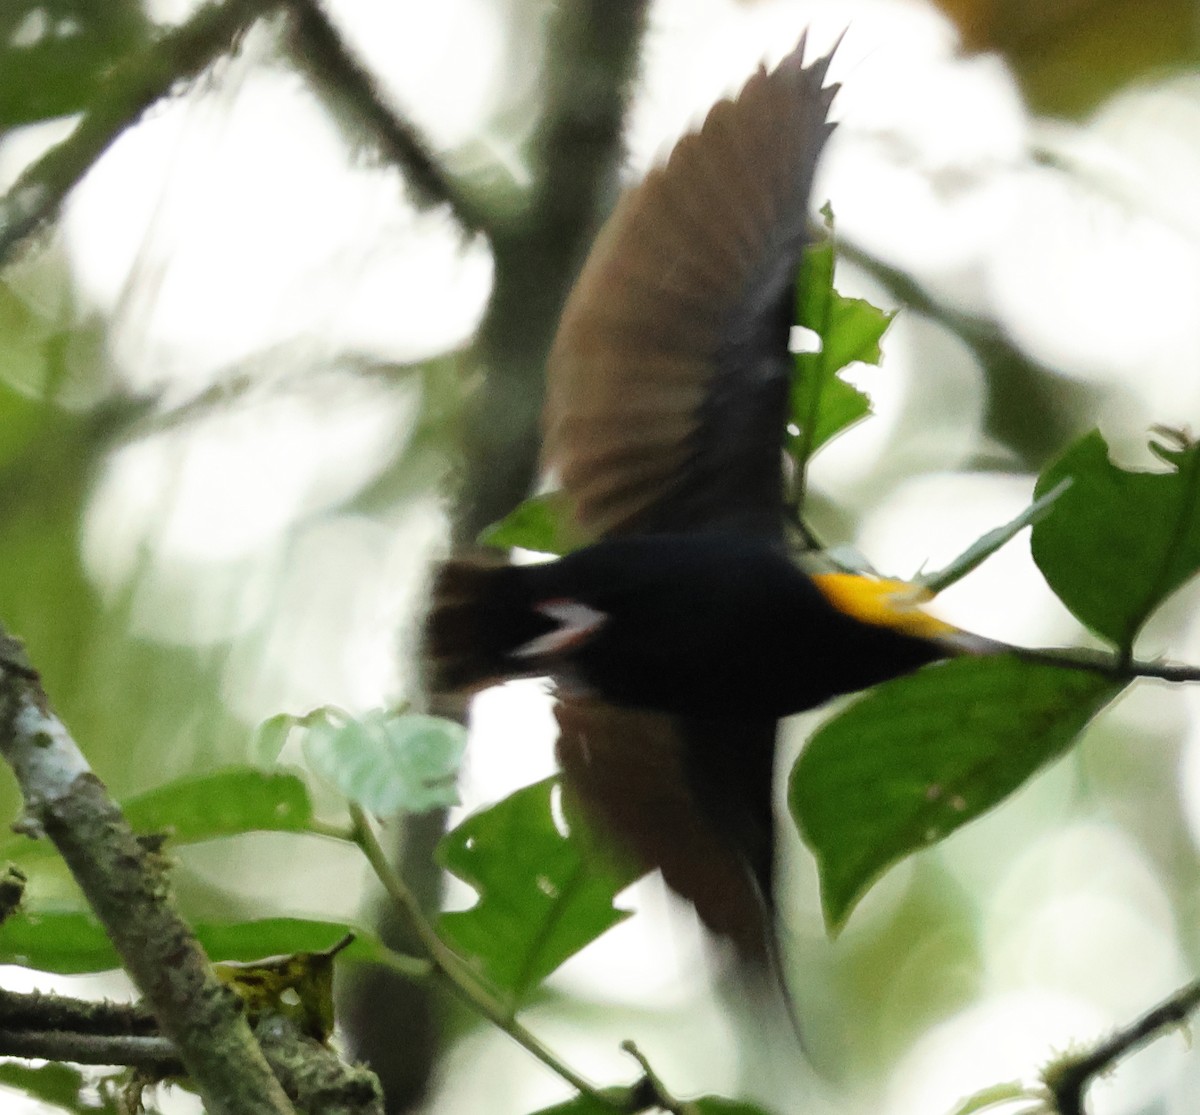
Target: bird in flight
[{"x": 685, "y": 631}]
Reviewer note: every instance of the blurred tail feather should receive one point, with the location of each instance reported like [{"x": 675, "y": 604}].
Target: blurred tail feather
[{"x": 480, "y": 613}]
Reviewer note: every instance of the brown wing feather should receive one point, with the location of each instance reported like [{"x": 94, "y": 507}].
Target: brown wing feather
[
  {"x": 627, "y": 769},
  {"x": 667, "y": 379}
]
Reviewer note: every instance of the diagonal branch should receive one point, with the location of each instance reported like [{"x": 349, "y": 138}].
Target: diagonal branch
[
  {"x": 323, "y": 55},
  {"x": 1070, "y": 1077},
  {"x": 125, "y": 884}
]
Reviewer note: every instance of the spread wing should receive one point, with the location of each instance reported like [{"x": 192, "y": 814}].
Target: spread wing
[
  {"x": 668, "y": 379},
  {"x": 666, "y": 404},
  {"x": 628, "y": 769}
]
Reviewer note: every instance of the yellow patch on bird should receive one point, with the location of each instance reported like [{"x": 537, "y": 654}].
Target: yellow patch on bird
[{"x": 892, "y": 604}]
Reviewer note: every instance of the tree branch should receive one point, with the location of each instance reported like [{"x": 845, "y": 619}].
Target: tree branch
[
  {"x": 1110, "y": 665},
  {"x": 150, "y": 1054},
  {"x": 126, "y": 886},
  {"x": 39, "y": 1010},
  {"x": 1069, "y": 1078},
  {"x": 129, "y": 89},
  {"x": 1016, "y": 382},
  {"x": 319, "y": 1081},
  {"x": 61, "y": 1028},
  {"x": 335, "y": 72},
  {"x": 591, "y": 55}
]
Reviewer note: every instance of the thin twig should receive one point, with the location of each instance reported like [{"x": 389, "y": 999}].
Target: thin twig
[
  {"x": 322, "y": 53},
  {"x": 129, "y": 89},
  {"x": 41, "y": 1010},
  {"x": 148, "y": 1053},
  {"x": 455, "y": 972},
  {"x": 1069, "y": 1078}
]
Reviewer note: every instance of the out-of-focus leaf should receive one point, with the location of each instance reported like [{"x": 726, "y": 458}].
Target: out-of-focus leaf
[
  {"x": 1069, "y": 55},
  {"x": 718, "y": 1105},
  {"x": 59, "y": 1085},
  {"x": 1118, "y": 542},
  {"x": 987, "y": 544},
  {"x": 706, "y": 1105},
  {"x": 918, "y": 757},
  {"x": 66, "y": 943},
  {"x": 546, "y": 886},
  {"x": 53, "y": 54},
  {"x": 584, "y": 1105},
  {"x": 250, "y": 941},
  {"x": 70, "y": 943},
  {"x": 543, "y": 523},
  {"x": 388, "y": 762},
  {"x": 270, "y": 737},
  {"x": 241, "y": 799},
  {"x": 996, "y": 1094},
  {"x": 849, "y": 329}
]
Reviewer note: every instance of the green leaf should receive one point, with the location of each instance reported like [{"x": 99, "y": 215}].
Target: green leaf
[
  {"x": 67, "y": 943},
  {"x": 60, "y": 1085},
  {"x": 388, "y": 762},
  {"x": 920, "y": 756},
  {"x": 270, "y": 737},
  {"x": 54, "y": 54},
  {"x": 546, "y": 886},
  {"x": 718, "y": 1105},
  {"x": 706, "y": 1105},
  {"x": 849, "y": 329},
  {"x": 586, "y": 1105},
  {"x": 241, "y": 799},
  {"x": 987, "y": 544},
  {"x": 996, "y": 1094},
  {"x": 1119, "y": 542},
  {"x": 73, "y": 942},
  {"x": 543, "y": 523}
]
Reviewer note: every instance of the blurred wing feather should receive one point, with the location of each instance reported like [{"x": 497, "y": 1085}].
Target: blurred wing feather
[
  {"x": 668, "y": 377},
  {"x": 630, "y": 771}
]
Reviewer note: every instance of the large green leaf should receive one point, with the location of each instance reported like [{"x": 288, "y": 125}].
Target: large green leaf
[
  {"x": 1119, "y": 542},
  {"x": 73, "y": 942},
  {"x": 920, "y": 756},
  {"x": 849, "y": 329},
  {"x": 203, "y": 807},
  {"x": 233, "y": 801},
  {"x": 546, "y": 886}
]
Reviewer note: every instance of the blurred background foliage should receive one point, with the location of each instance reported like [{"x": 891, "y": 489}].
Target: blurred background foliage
[{"x": 284, "y": 342}]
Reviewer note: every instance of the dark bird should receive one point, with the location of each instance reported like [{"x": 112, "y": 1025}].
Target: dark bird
[{"x": 685, "y": 632}]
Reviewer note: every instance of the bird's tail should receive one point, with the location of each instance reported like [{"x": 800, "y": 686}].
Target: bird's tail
[{"x": 480, "y": 613}]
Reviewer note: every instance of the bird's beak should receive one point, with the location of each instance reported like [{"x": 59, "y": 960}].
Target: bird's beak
[{"x": 898, "y": 605}]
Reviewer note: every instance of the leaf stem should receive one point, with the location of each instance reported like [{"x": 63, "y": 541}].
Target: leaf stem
[{"x": 457, "y": 974}]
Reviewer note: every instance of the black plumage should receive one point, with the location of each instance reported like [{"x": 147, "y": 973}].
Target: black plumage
[{"x": 683, "y": 634}]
